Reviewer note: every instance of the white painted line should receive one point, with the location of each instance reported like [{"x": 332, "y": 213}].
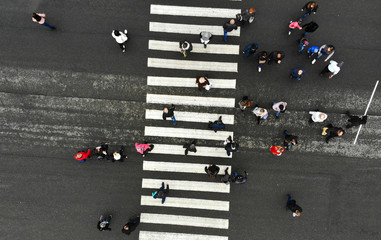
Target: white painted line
[
  {"x": 186, "y": 133},
  {"x": 197, "y": 47},
  {"x": 150, "y": 235},
  {"x": 191, "y": 116},
  {"x": 194, "y": 11},
  {"x": 180, "y": 167},
  {"x": 182, "y": 185},
  {"x": 201, "y": 151},
  {"x": 192, "y": 65},
  {"x": 184, "y": 220},
  {"x": 186, "y": 203},
  {"x": 188, "y": 82},
  {"x": 179, "y": 28},
  {"x": 191, "y": 100}
]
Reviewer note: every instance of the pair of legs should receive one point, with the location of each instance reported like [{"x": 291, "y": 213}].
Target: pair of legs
[
  {"x": 47, "y": 25},
  {"x": 225, "y": 35},
  {"x": 122, "y": 46}
]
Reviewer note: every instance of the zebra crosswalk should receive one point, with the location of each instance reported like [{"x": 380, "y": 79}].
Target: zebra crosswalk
[{"x": 181, "y": 175}]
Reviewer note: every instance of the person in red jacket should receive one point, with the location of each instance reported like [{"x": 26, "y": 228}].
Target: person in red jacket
[
  {"x": 277, "y": 150},
  {"x": 81, "y": 156}
]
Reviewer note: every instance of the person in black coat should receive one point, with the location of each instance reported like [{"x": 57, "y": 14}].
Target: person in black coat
[
  {"x": 169, "y": 112},
  {"x": 310, "y": 7},
  {"x": 217, "y": 125},
  {"x": 185, "y": 47},
  {"x": 276, "y": 56},
  {"x": 289, "y": 140},
  {"x": 101, "y": 151},
  {"x": 104, "y": 224},
  {"x": 293, "y": 207},
  {"x": 212, "y": 171},
  {"x": 355, "y": 120},
  {"x": 230, "y": 145},
  {"x": 309, "y": 28},
  {"x": 131, "y": 225},
  {"x": 333, "y": 132},
  {"x": 228, "y": 27},
  {"x": 161, "y": 193},
  {"x": 226, "y": 178},
  {"x": 190, "y": 147},
  {"x": 262, "y": 59}
]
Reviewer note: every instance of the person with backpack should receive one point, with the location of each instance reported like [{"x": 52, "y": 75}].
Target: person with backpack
[
  {"x": 161, "y": 193},
  {"x": 239, "y": 179},
  {"x": 217, "y": 125},
  {"x": 212, "y": 170},
  {"x": 303, "y": 42}
]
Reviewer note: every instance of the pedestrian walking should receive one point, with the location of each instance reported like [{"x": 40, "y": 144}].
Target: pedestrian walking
[
  {"x": 310, "y": 7},
  {"x": 203, "y": 82},
  {"x": 317, "y": 116},
  {"x": 292, "y": 26},
  {"x": 205, "y": 37},
  {"x": 277, "y": 150},
  {"x": 332, "y": 68},
  {"x": 226, "y": 178},
  {"x": 276, "y": 56},
  {"x": 250, "y": 49},
  {"x": 161, "y": 193},
  {"x": 279, "y": 107},
  {"x": 121, "y": 38},
  {"x": 310, "y": 28},
  {"x": 312, "y": 51},
  {"x": 289, "y": 140},
  {"x": 144, "y": 148},
  {"x": 262, "y": 59},
  {"x": 244, "y": 103},
  {"x": 260, "y": 113},
  {"x": 355, "y": 121},
  {"x": 303, "y": 42},
  {"x": 230, "y": 145},
  {"x": 190, "y": 147},
  {"x": 239, "y": 179},
  {"x": 212, "y": 170},
  {"x": 185, "y": 47},
  {"x": 169, "y": 112},
  {"x": 131, "y": 225},
  {"x": 326, "y": 50},
  {"x": 104, "y": 223},
  {"x": 101, "y": 151},
  {"x": 228, "y": 27},
  {"x": 297, "y": 73},
  {"x": 40, "y": 19},
  {"x": 245, "y": 16},
  {"x": 119, "y": 155},
  {"x": 217, "y": 125},
  {"x": 293, "y": 207},
  {"x": 83, "y": 155},
  {"x": 332, "y": 132}
]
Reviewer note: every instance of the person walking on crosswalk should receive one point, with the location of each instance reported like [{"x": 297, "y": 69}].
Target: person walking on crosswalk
[
  {"x": 143, "y": 148},
  {"x": 205, "y": 37},
  {"x": 185, "y": 47},
  {"x": 169, "y": 112},
  {"x": 217, "y": 125},
  {"x": 40, "y": 19},
  {"x": 230, "y": 145},
  {"x": 228, "y": 27},
  {"x": 212, "y": 170},
  {"x": 161, "y": 193},
  {"x": 226, "y": 178},
  {"x": 202, "y": 82},
  {"x": 190, "y": 147},
  {"x": 121, "y": 38}
]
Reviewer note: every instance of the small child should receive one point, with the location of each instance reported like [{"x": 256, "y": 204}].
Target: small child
[
  {"x": 312, "y": 50},
  {"x": 302, "y": 44},
  {"x": 292, "y": 26}
]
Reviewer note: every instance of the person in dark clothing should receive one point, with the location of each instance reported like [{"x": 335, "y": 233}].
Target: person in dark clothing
[
  {"x": 226, "y": 178},
  {"x": 250, "y": 49},
  {"x": 332, "y": 132},
  {"x": 185, "y": 47},
  {"x": 310, "y": 7},
  {"x": 118, "y": 155},
  {"x": 303, "y": 42},
  {"x": 297, "y": 73},
  {"x": 169, "y": 112},
  {"x": 239, "y": 179},
  {"x": 310, "y": 28},
  {"x": 101, "y": 151},
  {"x": 262, "y": 59},
  {"x": 104, "y": 224},
  {"x": 276, "y": 56},
  {"x": 202, "y": 82},
  {"x": 190, "y": 147},
  {"x": 40, "y": 19},
  {"x": 245, "y": 103},
  {"x": 131, "y": 225},
  {"x": 212, "y": 171},
  {"x": 289, "y": 140},
  {"x": 246, "y": 16},
  {"x": 355, "y": 120},
  {"x": 161, "y": 193},
  {"x": 217, "y": 125},
  {"x": 293, "y": 207},
  {"x": 230, "y": 145},
  {"x": 228, "y": 27}
]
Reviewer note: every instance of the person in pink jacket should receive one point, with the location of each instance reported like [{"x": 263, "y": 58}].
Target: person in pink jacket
[
  {"x": 40, "y": 18},
  {"x": 143, "y": 148},
  {"x": 292, "y": 26}
]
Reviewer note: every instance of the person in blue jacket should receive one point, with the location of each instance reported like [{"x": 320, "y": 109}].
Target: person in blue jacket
[
  {"x": 297, "y": 73},
  {"x": 217, "y": 125}
]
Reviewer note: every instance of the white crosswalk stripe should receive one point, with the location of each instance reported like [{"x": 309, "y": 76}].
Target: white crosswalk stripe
[
  {"x": 150, "y": 235},
  {"x": 180, "y": 28},
  {"x": 201, "y": 151},
  {"x": 197, "y": 47},
  {"x": 191, "y": 100},
  {"x": 192, "y": 65},
  {"x": 191, "y": 116},
  {"x": 194, "y": 11},
  {"x": 180, "y": 167},
  {"x": 183, "y": 185},
  {"x": 186, "y": 133},
  {"x": 184, "y": 220},
  {"x": 193, "y": 203},
  {"x": 188, "y": 82}
]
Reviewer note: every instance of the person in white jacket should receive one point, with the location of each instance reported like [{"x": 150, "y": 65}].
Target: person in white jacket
[
  {"x": 317, "y": 116},
  {"x": 121, "y": 38}
]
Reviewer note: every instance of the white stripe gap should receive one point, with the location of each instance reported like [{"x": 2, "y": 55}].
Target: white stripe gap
[
  {"x": 194, "y": 11},
  {"x": 176, "y": 132},
  {"x": 189, "y": 82},
  {"x": 202, "y": 151},
  {"x": 195, "y": 29},
  {"x": 182, "y": 185},
  {"x": 191, "y": 116},
  {"x": 180, "y": 167},
  {"x": 151, "y": 235},
  {"x": 192, "y": 65}
]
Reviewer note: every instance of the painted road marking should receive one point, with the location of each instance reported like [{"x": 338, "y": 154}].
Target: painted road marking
[
  {"x": 194, "y": 11},
  {"x": 195, "y": 29},
  {"x": 183, "y": 185},
  {"x": 150, "y": 235},
  {"x": 192, "y": 65},
  {"x": 188, "y": 82},
  {"x": 201, "y": 151},
  {"x": 191, "y": 100},
  {"x": 191, "y": 116},
  {"x": 186, "y": 133},
  {"x": 180, "y": 167}
]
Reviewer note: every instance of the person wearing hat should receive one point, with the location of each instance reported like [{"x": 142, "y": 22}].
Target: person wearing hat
[
  {"x": 81, "y": 156},
  {"x": 297, "y": 73},
  {"x": 317, "y": 116},
  {"x": 169, "y": 112},
  {"x": 202, "y": 82},
  {"x": 161, "y": 193},
  {"x": 118, "y": 156},
  {"x": 185, "y": 47},
  {"x": 121, "y": 38},
  {"x": 205, "y": 37},
  {"x": 228, "y": 27},
  {"x": 332, "y": 68},
  {"x": 230, "y": 145},
  {"x": 104, "y": 224}
]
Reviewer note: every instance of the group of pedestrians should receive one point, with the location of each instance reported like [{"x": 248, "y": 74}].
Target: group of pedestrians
[{"x": 128, "y": 227}]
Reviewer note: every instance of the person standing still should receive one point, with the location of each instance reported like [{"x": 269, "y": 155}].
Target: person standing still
[
  {"x": 228, "y": 27},
  {"x": 169, "y": 112},
  {"x": 293, "y": 207},
  {"x": 332, "y": 68},
  {"x": 40, "y": 19},
  {"x": 121, "y": 38},
  {"x": 310, "y": 7}
]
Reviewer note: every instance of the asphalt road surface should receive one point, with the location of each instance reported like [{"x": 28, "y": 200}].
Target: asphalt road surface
[{"x": 70, "y": 89}]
